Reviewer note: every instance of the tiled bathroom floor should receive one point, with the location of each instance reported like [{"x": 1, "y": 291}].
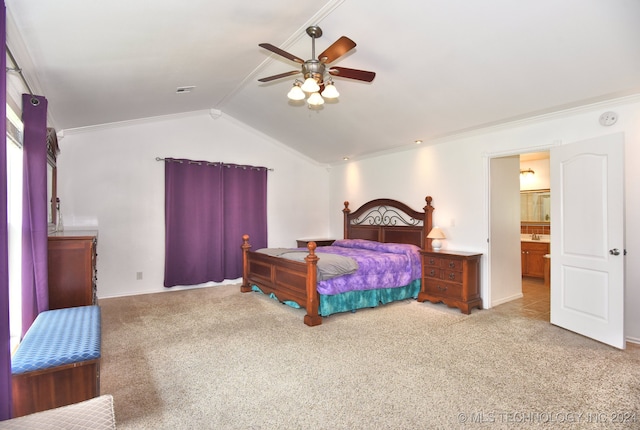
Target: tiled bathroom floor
[{"x": 535, "y": 304}]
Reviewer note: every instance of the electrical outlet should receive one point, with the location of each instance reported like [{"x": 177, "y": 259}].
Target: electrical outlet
[{"x": 139, "y": 276}]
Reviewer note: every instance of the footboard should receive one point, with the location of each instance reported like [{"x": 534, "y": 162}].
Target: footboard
[{"x": 288, "y": 280}]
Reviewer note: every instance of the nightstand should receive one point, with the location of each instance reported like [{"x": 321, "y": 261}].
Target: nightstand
[
  {"x": 451, "y": 277},
  {"x": 302, "y": 243}
]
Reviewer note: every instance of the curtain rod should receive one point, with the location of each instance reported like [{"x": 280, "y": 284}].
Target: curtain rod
[
  {"x": 16, "y": 68},
  {"x": 209, "y": 163}
]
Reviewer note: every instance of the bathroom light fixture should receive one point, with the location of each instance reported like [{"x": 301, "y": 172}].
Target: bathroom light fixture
[
  {"x": 527, "y": 172},
  {"x": 436, "y": 234}
]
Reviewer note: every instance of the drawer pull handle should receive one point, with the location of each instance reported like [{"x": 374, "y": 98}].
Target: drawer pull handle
[
  {"x": 452, "y": 276},
  {"x": 432, "y": 273},
  {"x": 452, "y": 264},
  {"x": 441, "y": 288},
  {"x": 432, "y": 261}
]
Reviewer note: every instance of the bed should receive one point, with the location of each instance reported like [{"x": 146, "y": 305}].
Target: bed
[{"x": 380, "y": 223}]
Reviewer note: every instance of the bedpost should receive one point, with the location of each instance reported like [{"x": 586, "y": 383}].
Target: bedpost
[
  {"x": 346, "y": 211},
  {"x": 245, "y": 287},
  {"x": 312, "y": 318},
  {"x": 428, "y": 221}
]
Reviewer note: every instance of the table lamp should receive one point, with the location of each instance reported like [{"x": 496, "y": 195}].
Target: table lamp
[{"x": 436, "y": 234}]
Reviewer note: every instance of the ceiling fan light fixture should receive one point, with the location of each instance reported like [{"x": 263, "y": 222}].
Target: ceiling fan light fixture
[
  {"x": 330, "y": 91},
  {"x": 310, "y": 85},
  {"x": 296, "y": 92},
  {"x": 315, "y": 99},
  {"x": 316, "y": 85}
]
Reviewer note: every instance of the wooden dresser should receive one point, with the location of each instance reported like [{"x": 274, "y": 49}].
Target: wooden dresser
[
  {"x": 72, "y": 268},
  {"x": 451, "y": 277}
]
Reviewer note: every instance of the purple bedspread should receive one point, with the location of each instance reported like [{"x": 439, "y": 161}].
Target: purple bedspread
[{"x": 380, "y": 265}]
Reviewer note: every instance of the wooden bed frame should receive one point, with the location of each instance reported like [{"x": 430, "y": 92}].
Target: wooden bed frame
[{"x": 382, "y": 220}]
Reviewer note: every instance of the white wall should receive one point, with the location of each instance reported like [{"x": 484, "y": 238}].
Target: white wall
[
  {"x": 505, "y": 266},
  {"x": 540, "y": 180},
  {"x": 108, "y": 178},
  {"x": 455, "y": 173}
]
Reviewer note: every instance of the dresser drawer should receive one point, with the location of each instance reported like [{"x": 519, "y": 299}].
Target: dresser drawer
[
  {"x": 451, "y": 275},
  {"x": 431, "y": 272},
  {"x": 452, "y": 264},
  {"x": 446, "y": 275},
  {"x": 440, "y": 288},
  {"x": 430, "y": 261}
]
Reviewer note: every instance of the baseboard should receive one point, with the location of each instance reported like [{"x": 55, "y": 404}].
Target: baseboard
[
  {"x": 633, "y": 340},
  {"x": 507, "y": 299}
]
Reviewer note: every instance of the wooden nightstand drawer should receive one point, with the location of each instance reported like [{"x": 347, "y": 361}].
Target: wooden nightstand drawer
[
  {"x": 452, "y": 276},
  {"x": 432, "y": 261},
  {"x": 450, "y": 264},
  {"x": 431, "y": 272},
  {"x": 443, "y": 289}
]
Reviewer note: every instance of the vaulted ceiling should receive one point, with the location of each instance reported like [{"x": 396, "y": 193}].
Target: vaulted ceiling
[{"x": 443, "y": 67}]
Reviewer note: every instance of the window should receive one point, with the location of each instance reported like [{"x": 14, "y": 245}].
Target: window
[{"x": 14, "y": 215}]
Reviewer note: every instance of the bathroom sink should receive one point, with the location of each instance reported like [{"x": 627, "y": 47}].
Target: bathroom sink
[{"x": 544, "y": 238}]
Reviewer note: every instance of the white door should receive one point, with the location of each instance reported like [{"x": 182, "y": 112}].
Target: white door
[{"x": 587, "y": 238}]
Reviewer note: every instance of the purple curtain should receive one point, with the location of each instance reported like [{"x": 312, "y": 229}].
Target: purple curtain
[
  {"x": 245, "y": 212},
  {"x": 208, "y": 207},
  {"x": 35, "y": 295},
  {"x": 5, "y": 335}
]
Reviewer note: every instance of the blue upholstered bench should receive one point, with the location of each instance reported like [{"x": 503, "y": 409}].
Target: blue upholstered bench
[{"x": 58, "y": 361}]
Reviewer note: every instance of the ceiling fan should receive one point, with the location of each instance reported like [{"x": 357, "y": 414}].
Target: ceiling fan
[{"x": 314, "y": 69}]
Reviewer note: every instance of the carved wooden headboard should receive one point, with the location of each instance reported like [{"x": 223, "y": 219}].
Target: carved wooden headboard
[{"x": 388, "y": 220}]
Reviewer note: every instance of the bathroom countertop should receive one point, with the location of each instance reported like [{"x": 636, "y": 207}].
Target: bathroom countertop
[{"x": 544, "y": 238}]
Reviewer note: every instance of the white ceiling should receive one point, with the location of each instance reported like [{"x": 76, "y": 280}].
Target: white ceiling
[{"x": 443, "y": 66}]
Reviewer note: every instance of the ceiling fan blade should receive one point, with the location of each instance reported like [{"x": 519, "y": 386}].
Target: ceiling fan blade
[
  {"x": 281, "y": 75},
  {"x": 281, "y": 52},
  {"x": 361, "y": 75},
  {"x": 337, "y": 50}
]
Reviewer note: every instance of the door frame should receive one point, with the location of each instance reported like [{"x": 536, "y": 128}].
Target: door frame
[{"x": 493, "y": 265}]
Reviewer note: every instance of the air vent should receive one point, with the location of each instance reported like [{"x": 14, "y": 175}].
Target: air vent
[{"x": 188, "y": 89}]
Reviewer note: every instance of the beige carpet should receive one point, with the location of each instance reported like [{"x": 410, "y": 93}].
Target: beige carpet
[{"x": 215, "y": 358}]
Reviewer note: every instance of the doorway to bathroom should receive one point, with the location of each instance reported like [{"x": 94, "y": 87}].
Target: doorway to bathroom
[{"x": 520, "y": 234}]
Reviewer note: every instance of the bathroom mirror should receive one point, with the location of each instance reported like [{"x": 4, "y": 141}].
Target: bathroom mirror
[{"x": 535, "y": 206}]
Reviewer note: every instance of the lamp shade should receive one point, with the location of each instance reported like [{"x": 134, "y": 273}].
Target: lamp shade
[
  {"x": 310, "y": 85},
  {"x": 315, "y": 99},
  {"x": 296, "y": 93},
  {"x": 436, "y": 234},
  {"x": 330, "y": 91}
]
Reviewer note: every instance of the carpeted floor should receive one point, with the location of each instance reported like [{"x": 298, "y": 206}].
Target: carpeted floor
[{"x": 215, "y": 358}]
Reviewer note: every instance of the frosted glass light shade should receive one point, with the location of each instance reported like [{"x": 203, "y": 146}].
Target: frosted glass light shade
[
  {"x": 310, "y": 86},
  {"x": 296, "y": 93},
  {"x": 315, "y": 99},
  {"x": 330, "y": 92}
]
